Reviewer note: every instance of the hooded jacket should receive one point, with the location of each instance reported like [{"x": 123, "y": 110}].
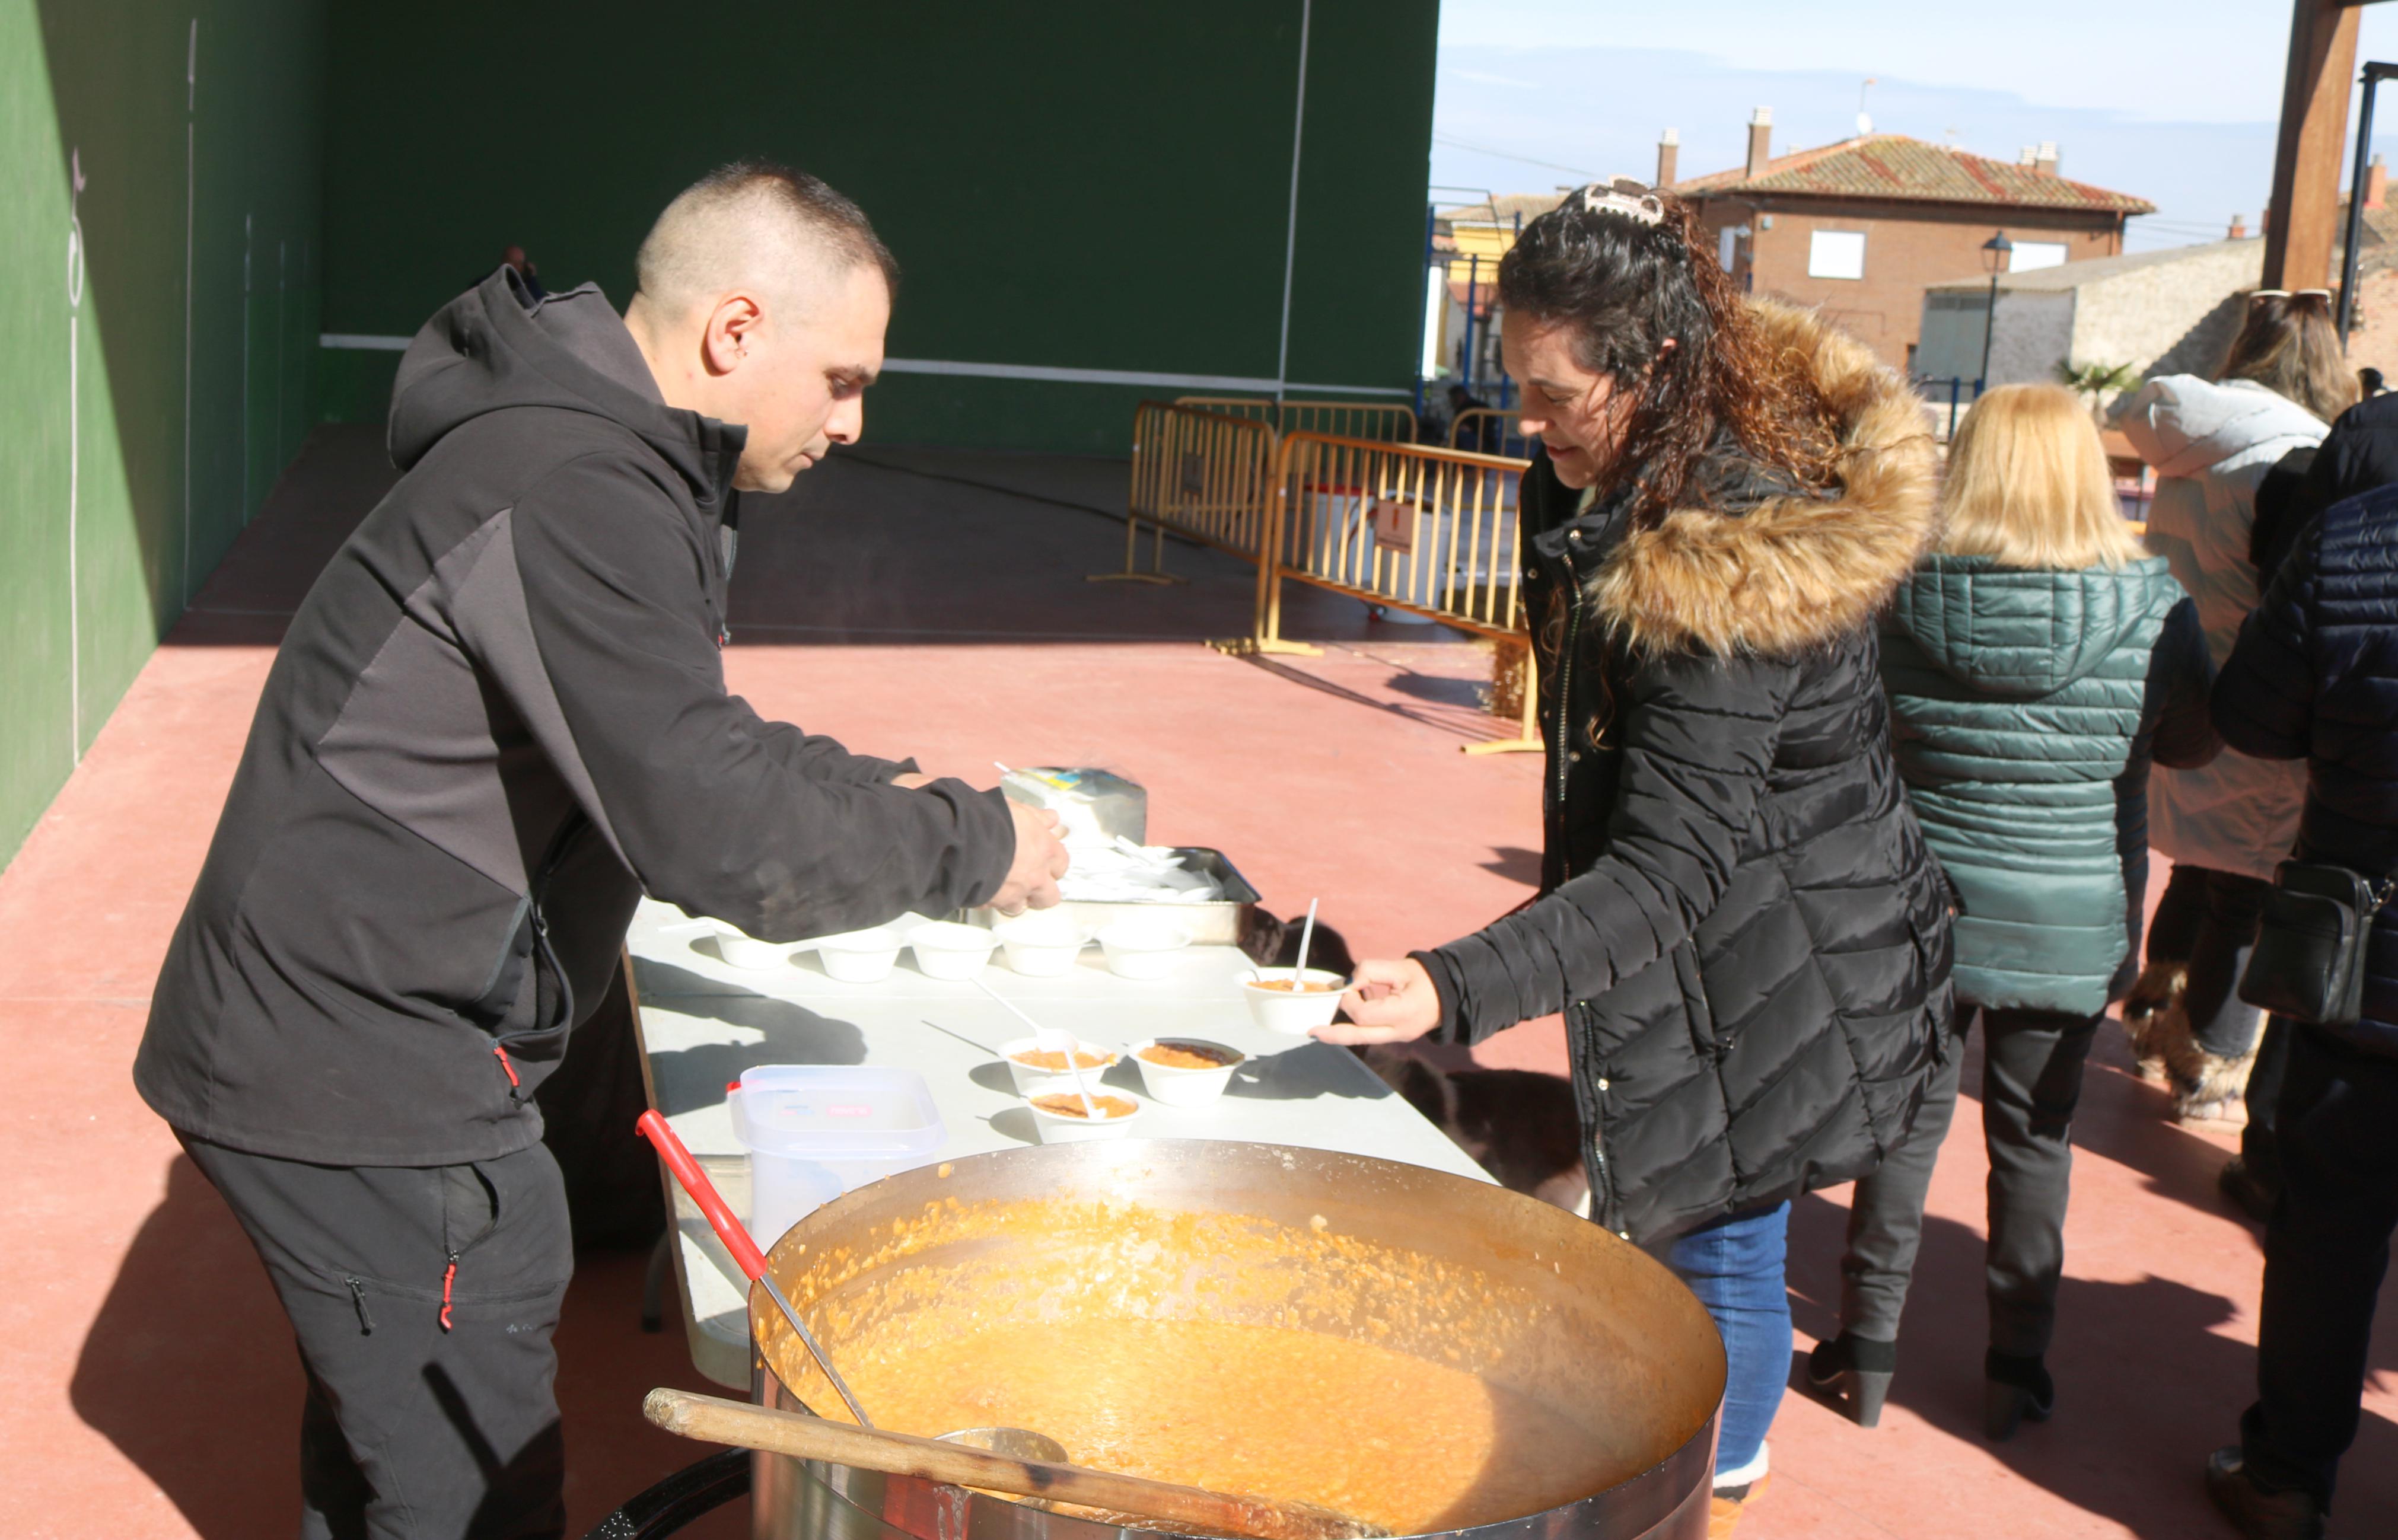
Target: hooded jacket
[
  {"x": 2211, "y": 445},
  {"x": 1739, "y": 917},
  {"x": 2314, "y": 680},
  {"x": 496, "y": 719},
  {"x": 2027, "y": 706},
  {"x": 2358, "y": 454}
]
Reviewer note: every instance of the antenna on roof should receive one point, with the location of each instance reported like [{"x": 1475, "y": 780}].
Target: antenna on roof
[{"x": 1865, "y": 119}]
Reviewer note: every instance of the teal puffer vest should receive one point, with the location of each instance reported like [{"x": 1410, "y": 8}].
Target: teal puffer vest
[{"x": 2016, "y": 698}]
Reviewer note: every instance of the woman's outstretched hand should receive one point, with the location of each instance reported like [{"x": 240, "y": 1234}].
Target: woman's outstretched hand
[{"x": 1387, "y": 1002}]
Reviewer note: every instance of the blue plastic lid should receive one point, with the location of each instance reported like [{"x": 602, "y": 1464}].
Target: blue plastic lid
[{"x": 836, "y": 1112}]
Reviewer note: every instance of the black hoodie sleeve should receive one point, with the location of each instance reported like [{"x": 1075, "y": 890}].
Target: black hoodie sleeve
[
  {"x": 2181, "y": 675},
  {"x": 1698, "y": 736},
  {"x": 2264, "y": 698},
  {"x": 823, "y": 758},
  {"x": 712, "y": 808}
]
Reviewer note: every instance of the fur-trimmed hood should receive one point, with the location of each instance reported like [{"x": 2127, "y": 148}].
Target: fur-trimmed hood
[{"x": 1790, "y": 572}]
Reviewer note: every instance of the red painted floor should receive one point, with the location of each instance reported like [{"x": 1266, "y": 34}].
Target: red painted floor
[{"x": 919, "y": 611}]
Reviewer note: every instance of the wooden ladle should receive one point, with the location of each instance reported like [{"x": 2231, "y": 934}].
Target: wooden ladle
[{"x": 715, "y": 1420}]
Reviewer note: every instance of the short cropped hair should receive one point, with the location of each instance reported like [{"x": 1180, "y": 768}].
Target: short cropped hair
[{"x": 707, "y": 236}]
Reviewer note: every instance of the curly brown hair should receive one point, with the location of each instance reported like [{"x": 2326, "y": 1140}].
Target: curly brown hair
[{"x": 1625, "y": 289}]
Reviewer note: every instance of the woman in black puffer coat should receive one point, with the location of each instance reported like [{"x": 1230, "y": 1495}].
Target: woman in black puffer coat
[
  {"x": 2314, "y": 676},
  {"x": 1739, "y": 916}
]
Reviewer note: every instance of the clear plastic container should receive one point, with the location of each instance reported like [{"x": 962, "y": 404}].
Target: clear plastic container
[{"x": 815, "y": 1132}]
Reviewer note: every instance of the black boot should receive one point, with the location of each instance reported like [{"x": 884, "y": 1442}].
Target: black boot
[
  {"x": 2257, "y": 1513},
  {"x": 1856, "y": 1371},
  {"x": 2018, "y": 1389},
  {"x": 2244, "y": 1186}
]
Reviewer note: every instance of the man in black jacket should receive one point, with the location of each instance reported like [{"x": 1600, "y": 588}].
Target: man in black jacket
[
  {"x": 2314, "y": 676},
  {"x": 499, "y": 718}
]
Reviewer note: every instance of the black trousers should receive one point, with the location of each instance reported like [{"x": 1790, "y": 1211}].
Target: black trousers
[
  {"x": 423, "y": 1300},
  {"x": 2327, "y": 1248},
  {"x": 2032, "y": 1082},
  {"x": 2207, "y": 919}
]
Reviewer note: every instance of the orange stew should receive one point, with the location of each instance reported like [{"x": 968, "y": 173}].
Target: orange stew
[
  {"x": 1404, "y": 1442},
  {"x": 1053, "y": 1058},
  {"x": 1068, "y": 1106},
  {"x": 1189, "y": 1056},
  {"x": 1297, "y": 988}
]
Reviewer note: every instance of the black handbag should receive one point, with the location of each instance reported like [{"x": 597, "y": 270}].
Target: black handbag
[{"x": 2308, "y": 962}]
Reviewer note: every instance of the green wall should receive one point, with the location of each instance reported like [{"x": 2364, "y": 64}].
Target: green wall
[
  {"x": 1078, "y": 184},
  {"x": 106, "y": 81}
]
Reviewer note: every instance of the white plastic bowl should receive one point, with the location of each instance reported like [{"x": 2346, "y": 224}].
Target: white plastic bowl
[
  {"x": 859, "y": 957},
  {"x": 1143, "y": 949},
  {"x": 947, "y": 950},
  {"x": 1177, "y": 1087},
  {"x": 743, "y": 950},
  {"x": 1041, "y": 945},
  {"x": 1031, "y": 1080},
  {"x": 1057, "y": 1129},
  {"x": 1293, "y": 1012}
]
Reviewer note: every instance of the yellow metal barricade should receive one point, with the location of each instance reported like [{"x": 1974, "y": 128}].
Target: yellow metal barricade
[
  {"x": 1389, "y": 422},
  {"x": 1473, "y": 425},
  {"x": 1429, "y": 531},
  {"x": 1201, "y": 474}
]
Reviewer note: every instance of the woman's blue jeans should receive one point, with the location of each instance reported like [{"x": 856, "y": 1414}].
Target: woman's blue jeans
[{"x": 1735, "y": 1267}]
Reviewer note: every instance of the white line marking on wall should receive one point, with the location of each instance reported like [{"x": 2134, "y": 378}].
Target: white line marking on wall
[
  {"x": 191, "y": 103},
  {"x": 1290, "y": 229},
  {"x": 74, "y": 458},
  {"x": 246, "y": 226},
  {"x": 282, "y": 326},
  {"x": 375, "y": 342}
]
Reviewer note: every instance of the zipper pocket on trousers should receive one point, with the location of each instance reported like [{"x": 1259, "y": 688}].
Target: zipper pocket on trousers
[{"x": 359, "y": 1298}]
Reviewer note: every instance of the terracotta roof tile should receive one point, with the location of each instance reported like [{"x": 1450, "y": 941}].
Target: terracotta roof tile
[{"x": 1892, "y": 166}]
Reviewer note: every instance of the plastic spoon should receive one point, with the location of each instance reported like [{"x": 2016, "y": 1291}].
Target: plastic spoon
[
  {"x": 745, "y": 1250},
  {"x": 1045, "y": 1036},
  {"x": 1306, "y": 934}
]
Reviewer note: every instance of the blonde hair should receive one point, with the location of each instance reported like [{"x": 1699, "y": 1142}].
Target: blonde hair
[
  {"x": 2028, "y": 486},
  {"x": 2288, "y": 343}
]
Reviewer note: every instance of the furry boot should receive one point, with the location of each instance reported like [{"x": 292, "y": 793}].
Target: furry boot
[
  {"x": 2158, "y": 988},
  {"x": 2204, "y": 1085}
]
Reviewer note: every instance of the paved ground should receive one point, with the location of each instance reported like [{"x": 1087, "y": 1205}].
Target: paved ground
[{"x": 901, "y": 602}]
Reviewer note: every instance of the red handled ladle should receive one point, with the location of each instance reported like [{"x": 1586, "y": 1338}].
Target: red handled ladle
[{"x": 746, "y": 1254}]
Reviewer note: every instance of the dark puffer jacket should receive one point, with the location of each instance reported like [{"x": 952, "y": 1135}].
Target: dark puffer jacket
[
  {"x": 2029, "y": 704},
  {"x": 2314, "y": 676},
  {"x": 2360, "y": 453},
  {"x": 1740, "y": 917}
]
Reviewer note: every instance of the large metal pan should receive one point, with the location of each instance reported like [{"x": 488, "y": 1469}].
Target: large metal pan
[{"x": 1555, "y": 1307}]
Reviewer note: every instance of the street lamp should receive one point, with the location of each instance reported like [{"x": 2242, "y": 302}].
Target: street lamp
[{"x": 1995, "y": 252}]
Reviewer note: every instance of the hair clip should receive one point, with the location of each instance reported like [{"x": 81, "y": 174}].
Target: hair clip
[{"x": 1629, "y": 196}]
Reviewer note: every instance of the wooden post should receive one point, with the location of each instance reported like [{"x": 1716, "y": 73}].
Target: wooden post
[{"x": 2300, "y": 226}]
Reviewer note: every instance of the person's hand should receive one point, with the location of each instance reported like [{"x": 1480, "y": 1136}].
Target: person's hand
[
  {"x": 1040, "y": 861},
  {"x": 1387, "y": 1002},
  {"x": 912, "y": 780}
]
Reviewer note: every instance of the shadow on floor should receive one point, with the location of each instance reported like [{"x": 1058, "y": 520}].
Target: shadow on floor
[
  {"x": 1516, "y": 863},
  {"x": 187, "y": 1372},
  {"x": 1477, "y": 729},
  {"x": 2146, "y": 1383}
]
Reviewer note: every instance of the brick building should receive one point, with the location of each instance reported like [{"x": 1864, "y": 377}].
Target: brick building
[{"x": 1863, "y": 227}]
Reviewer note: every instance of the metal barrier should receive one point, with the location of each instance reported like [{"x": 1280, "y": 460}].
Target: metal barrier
[
  {"x": 1474, "y": 423},
  {"x": 1201, "y": 474},
  {"x": 1421, "y": 531},
  {"x": 1387, "y": 421}
]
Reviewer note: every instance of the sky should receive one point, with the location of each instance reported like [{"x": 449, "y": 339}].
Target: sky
[{"x": 2172, "y": 100}]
